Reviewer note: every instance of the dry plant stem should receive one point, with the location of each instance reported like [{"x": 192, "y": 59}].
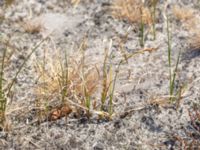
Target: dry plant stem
[{"x": 101, "y": 113}]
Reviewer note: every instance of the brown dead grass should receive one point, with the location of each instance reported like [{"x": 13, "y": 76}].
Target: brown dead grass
[
  {"x": 131, "y": 10},
  {"x": 32, "y": 26},
  {"x": 82, "y": 79},
  {"x": 160, "y": 101},
  {"x": 187, "y": 17},
  {"x": 195, "y": 41},
  {"x": 183, "y": 14}
]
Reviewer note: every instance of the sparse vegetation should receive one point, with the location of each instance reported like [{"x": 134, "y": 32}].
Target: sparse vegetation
[
  {"x": 183, "y": 14},
  {"x": 95, "y": 81},
  {"x": 73, "y": 78}
]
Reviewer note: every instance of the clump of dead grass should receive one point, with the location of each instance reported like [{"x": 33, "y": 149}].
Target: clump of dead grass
[
  {"x": 132, "y": 11},
  {"x": 190, "y": 22},
  {"x": 61, "y": 81},
  {"x": 182, "y": 14},
  {"x": 195, "y": 41},
  {"x": 32, "y": 26},
  {"x": 187, "y": 17}
]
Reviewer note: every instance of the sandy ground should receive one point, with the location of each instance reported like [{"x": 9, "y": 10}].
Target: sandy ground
[{"x": 145, "y": 77}]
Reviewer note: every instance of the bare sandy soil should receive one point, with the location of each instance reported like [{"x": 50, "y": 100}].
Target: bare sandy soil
[{"x": 146, "y": 125}]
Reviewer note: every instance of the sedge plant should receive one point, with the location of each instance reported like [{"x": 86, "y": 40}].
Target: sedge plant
[{"x": 172, "y": 74}]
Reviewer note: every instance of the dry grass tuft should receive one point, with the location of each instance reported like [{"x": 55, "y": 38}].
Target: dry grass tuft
[
  {"x": 131, "y": 10},
  {"x": 183, "y": 14},
  {"x": 81, "y": 81},
  {"x": 194, "y": 41},
  {"x": 32, "y": 26},
  {"x": 190, "y": 21},
  {"x": 187, "y": 17}
]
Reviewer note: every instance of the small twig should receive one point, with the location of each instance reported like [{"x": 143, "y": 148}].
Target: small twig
[
  {"x": 37, "y": 146},
  {"x": 124, "y": 114}
]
